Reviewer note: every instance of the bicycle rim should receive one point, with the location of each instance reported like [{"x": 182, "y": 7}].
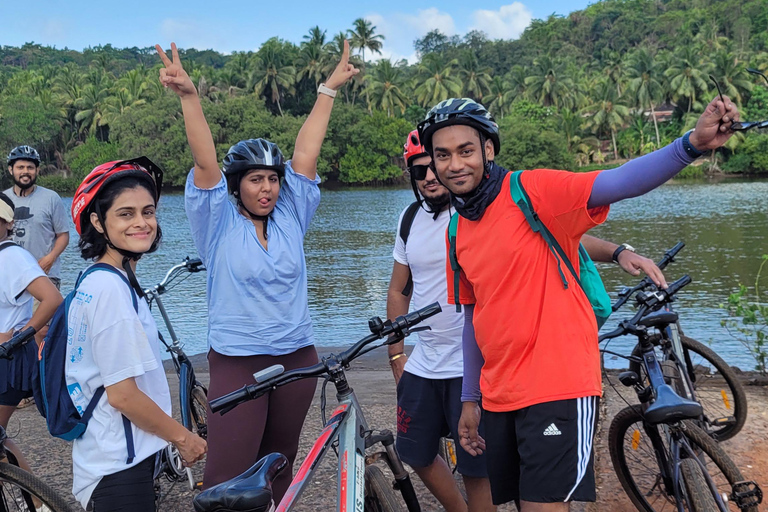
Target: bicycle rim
[
  {"x": 636, "y": 464},
  {"x": 21, "y": 492},
  {"x": 199, "y": 411}
]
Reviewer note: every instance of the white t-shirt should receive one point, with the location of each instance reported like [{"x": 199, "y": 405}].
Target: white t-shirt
[
  {"x": 110, "y": 343},
  {"x": 18, "y": 268},
  {"x": 438, "y": 353}
]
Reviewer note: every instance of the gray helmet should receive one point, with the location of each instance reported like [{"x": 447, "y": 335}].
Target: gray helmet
[
  {"x": 23, "y": 153},
  {"x": 253, "y": 154},
  {"x": 464, "y": 111}
]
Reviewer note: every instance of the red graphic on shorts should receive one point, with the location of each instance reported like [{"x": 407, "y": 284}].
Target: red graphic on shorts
[{"x": 403, "y": 420}]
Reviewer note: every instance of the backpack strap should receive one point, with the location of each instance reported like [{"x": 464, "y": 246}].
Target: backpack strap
[
  {"x": 97, "y": 395},
  {"x": 523, "y": 201},
  {"x": 453, "y": 228},
  {"x": 405, "y": 230}
]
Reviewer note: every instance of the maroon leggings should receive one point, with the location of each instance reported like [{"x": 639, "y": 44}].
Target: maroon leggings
[{"x": 257, "y": 428}]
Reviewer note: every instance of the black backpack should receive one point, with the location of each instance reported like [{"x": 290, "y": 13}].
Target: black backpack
[{"x": 405, "y": 230}]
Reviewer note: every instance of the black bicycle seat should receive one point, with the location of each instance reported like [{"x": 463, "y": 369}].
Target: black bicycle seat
[
  {"x": 659, "y": 319},
  {"x": 249, "y": 492},
  {"x": 670, "y": 407}
]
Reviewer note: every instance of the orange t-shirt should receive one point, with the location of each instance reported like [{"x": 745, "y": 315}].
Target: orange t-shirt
[{"x": 539, "y": 340}]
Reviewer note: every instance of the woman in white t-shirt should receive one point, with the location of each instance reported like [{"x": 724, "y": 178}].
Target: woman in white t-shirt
[
  {"x": 114, "y": 344},
  {"x": 21, "y": 280}
]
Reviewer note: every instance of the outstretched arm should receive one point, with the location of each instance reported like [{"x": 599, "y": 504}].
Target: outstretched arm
[
  {"x": 312, "y": 133},
  {"x": 643, "y": 174},
  {"x": 207, "y": 173}
]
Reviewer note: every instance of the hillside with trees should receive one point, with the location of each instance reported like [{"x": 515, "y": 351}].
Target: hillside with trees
[{"x": 610, "y": 82}]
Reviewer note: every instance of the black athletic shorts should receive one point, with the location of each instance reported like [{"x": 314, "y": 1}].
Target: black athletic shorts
[
  {"x": 428, "y": 409},
  {"x": 542, "y": 453}
]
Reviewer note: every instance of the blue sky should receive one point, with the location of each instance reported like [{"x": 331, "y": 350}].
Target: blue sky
[{"x": 236, "y": 25}]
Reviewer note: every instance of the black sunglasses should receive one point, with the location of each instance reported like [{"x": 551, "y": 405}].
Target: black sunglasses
[
  {"x": 742, "y": 126},
  {"x": 419, "y": 172}
]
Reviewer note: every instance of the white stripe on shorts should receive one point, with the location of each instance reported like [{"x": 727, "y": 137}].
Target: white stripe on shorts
[{"x": 585, "y": 408}]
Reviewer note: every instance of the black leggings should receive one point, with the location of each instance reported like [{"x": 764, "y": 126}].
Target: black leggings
[
  {"x": 257, "y": 428},
  {"x": 130, "y": 490}
]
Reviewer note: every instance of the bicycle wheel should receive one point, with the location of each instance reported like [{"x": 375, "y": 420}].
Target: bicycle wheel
[
  {"x": 447, "y": 451},
  {"x": 199, "y": 410},
  {"x": 20, "y": 490},
  {"x": 696, "y": 489},
  {"x": 380, "y": 496},
  {"x": 634, "y": 458},
  {"x": 716, "y": 387}
]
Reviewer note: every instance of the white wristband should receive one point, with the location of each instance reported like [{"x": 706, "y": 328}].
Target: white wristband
[{"x": 322, "y": 89}]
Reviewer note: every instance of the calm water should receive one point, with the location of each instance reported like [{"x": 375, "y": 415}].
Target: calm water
[{"x": 349, "y": 257}]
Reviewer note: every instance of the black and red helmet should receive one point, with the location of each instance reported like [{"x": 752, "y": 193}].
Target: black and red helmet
[{"x": 463, "y": 111}]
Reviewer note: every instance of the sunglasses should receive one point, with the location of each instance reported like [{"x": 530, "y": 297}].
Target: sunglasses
[
  {"x": 739, "y": 126},
  {"x": 419, "y": 172}
]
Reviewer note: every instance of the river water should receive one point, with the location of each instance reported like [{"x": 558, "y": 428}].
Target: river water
[{"x": 349, "y": 258}]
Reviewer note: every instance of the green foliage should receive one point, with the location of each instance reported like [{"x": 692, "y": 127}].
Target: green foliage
[
  {"x": 530, "y": 145},
  {"x": 85, "y": 157},
  {"x": 25, "y": 120},
  {"x": 375, "y": 150},
  {"x": 691, "y": 172},
  {"x": 748, "y": 319}
]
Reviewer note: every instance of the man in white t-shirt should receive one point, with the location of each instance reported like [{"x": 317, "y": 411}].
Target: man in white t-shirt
[{"x": 429, "y": 381}]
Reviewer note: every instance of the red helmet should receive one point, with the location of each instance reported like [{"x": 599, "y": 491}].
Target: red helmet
[
  {"x": 141, "y": 167},
  {"x": 413, "y": 148}
]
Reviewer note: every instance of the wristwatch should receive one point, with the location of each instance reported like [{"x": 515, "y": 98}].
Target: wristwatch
[
  {"x": 688, "y": 147},
  {"x": 620, "y": 249},
  {"x": 322, "y": 89}
]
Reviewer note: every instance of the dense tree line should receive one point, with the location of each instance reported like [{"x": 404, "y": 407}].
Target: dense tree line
[{"x": 572, "y": 91}]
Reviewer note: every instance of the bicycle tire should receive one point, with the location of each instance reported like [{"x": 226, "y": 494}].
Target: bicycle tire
[
  {"x": 699, "y": 440},
  {"x": 19, "y": 486},
  {"x": 380, "y": 496},
  {"x": 697, "y": 491},
  {"x": 712, "y": 401},
  {"x": 198, "y": 408},
  {"x": 447, "y": 452}
]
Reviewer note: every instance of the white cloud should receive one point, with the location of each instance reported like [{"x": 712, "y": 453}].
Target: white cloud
[{"x": 506, "y": 23}]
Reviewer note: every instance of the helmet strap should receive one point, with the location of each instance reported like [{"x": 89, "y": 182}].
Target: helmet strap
[
  {"x": 253, "y": 216},
  {"x": 132, "y": 276}
]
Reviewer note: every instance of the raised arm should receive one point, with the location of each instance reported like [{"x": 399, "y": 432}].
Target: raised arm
[
  {"x": 643, "y": 174},
  {"x": 207, "y": 173},
  {"x": 312, "y": 133}
]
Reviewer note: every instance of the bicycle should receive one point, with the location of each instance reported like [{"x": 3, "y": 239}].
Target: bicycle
[
  {"x": 676, "y": 464},
  {"x": 361, "y": 484},
  {"x": 720, "y": 393},
  {"x": 20, "y": 489},
  {"x": 193, "y": 395}
]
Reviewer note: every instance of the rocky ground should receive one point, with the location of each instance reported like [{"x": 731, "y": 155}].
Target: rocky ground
[{"x": 374, "y": 386}]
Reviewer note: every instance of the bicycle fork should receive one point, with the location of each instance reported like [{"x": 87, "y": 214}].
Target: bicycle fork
[{"x": 402, "y": 478}]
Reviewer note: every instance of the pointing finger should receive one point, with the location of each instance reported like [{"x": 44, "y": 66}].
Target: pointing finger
[
  {"x": 175, "y": 51},
  {"x": 345, "y": 54},
  {"x": 162, "y": 55}
]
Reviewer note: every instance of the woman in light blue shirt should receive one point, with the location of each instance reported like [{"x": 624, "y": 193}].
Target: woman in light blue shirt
[{"x": 257, "y": 275}]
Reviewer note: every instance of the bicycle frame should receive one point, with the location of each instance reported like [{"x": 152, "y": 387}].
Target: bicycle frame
[{"x": 348, "y": 425}]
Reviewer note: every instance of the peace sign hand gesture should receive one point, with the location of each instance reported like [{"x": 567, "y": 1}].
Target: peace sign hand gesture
[
  {"x": 173, "y": 75},
  {"x": 343, "y": 72}
]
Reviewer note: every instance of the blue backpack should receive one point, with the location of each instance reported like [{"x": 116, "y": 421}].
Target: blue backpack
[{"x": 64, "y": 408}]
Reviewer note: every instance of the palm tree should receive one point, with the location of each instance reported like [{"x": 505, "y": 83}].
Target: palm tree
[
  {"x": 90, "y": 108},
  {"x": 363, "y": 35},
  {"x": 311, "y": 63},
  {"x": 549, "y": 83},
  {"x": 570, "y": 124},
  {"x": 271, "y": 75},
  {"x": 501, "y": 97},
  {"x": 608, "y": 114},
  {"x": 614, "y": 68},
  {"x": 437, "y": 80},
  {"x": 516, "y": 79},
  {"x": 687, "y": 80},
  {"x": 645, "y": 79},
  {"x": 731, "y": 75},
  {"x": 315, "y": 37},
  {"x": 385, "y": 83},
  {"x": 476, "y": 78},
  {"x": 118, "y": 104}
]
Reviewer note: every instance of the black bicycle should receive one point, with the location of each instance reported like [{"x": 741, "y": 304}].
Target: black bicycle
[
  {"x": 362, "y": 485},
  {"x": 19, "y": 489},
  {"x": 711, "y": 381},
  {"x": 662, "y": 458}
]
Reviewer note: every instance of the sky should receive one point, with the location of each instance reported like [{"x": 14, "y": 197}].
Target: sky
[{"x": 243, "y": 25}]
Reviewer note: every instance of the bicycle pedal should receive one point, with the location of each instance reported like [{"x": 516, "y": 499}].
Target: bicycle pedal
[
  {"x": 723, "y": 422},
  {"x": 746, "y": 494}
]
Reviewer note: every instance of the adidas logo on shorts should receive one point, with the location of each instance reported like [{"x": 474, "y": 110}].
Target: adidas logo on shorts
[{"x": 552, "y": 431}]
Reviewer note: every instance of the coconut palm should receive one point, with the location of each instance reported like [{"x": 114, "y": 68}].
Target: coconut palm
[
  {"x": 608, "y": 113},
  {"x": 436, "y": 75},
  {"x": 645, "y": 84},
  {"x": 731, "y": 75},
  {"x": 118, "y": 104},
  {"x": 363, "y": 35},
  {"x": 501, "y": 97},
  {"x": 91, "y": 107},
  {"x": 687, "y": 79},
  {"x": 475, "y": 78},
  {"x": 549, "y": 83},
  {"x": 272, "y": 76},
  {"x": 385, "y": 86},
  {"x": 315, "y": 37},
  {"x": 311, "y": 63}
]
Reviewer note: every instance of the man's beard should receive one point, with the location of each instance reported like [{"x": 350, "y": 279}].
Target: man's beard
[
  {"x": 436, "y": 204},
  {"x": 25, "y": 186}
]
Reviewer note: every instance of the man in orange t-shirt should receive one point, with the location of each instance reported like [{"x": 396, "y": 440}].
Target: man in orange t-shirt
[{"x": 534, "y": 338}]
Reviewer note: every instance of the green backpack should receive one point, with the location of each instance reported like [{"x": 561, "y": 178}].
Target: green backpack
[{"x": 590, "y": 280}]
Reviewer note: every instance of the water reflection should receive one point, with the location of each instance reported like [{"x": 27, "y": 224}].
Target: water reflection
[{"x": 349, "y": 257}]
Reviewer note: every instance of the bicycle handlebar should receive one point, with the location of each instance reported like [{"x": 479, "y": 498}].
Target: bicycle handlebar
[
  {"x": 187, "y": 265},
  {"x": 646, "y": 282},
  {"x": 20, "y": 339},
  {"x": 648, "y": 302},
  {"x": 398, "y": 327}
]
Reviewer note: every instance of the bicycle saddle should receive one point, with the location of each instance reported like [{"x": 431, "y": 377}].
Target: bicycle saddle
[
  {"x": 659, "y": 319},
  {"x": 249, "y": 492},
  {"x": 670, "y": 407}
]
